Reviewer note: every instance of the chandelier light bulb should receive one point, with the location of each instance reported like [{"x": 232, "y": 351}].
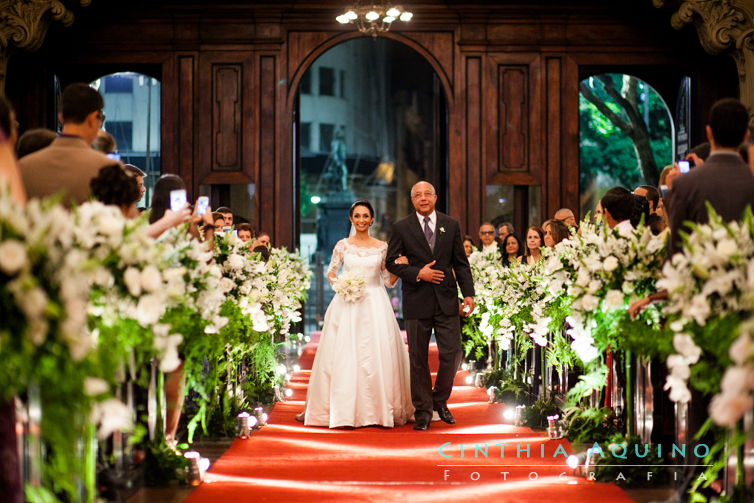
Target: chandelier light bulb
[
  {"x": 342, "y": 19},
  {"x": 389, "y": 19},
  {"x": 393, "y": 12},
  {"x": 406, "y": 16},
  {"x": 372, "y": 16},
  {"x": 351, "y": 15}
]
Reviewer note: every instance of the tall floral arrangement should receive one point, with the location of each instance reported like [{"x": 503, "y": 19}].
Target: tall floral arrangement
[
  {"x": 46, "y": 349},
  {"x": 710, "y": 285},
  {"x": 603, "y": 271}
]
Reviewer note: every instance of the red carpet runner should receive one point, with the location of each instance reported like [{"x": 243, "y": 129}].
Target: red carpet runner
[{"x": 287, "y": 461}]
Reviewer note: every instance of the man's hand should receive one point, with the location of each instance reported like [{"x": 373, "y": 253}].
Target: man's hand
[
  {"x": 468, "y": 306},
  {"x": 401, "y": 260},
  {"x": 430, "y": 275}
]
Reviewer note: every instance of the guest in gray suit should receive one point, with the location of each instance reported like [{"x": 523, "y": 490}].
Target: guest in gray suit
[
  {"x": 69, "y": 163},
  {"x": 724, "y": 180}
]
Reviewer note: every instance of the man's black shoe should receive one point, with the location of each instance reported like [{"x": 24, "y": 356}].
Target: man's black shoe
[
  {"x": 421, "y": 424},
  {"x": 445, "y": 415}
]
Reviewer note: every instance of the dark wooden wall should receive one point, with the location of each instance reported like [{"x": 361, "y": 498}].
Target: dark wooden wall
[{"x": 510, "y": 74}]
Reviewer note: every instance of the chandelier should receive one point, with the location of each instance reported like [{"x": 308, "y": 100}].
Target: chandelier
[{"x": 372, "y": 19}]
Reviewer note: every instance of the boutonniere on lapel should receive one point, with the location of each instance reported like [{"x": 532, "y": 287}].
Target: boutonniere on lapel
[{"x": 442, "y": 230}]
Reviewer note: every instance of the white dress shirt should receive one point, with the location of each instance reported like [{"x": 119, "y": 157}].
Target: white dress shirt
[{"x": 432, "y": 221}]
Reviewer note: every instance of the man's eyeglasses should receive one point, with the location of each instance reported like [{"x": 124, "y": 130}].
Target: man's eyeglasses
[
  {"x": 486, "y": 233},
  {"x": 101, "y": 116},
  {"x": 422, "y": 194}
]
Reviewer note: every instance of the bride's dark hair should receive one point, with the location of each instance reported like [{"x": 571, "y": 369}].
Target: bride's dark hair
[{"x": 364, "y": 203}]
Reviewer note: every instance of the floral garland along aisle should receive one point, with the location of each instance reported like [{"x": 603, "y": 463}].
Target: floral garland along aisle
[
  {"x": 575, "y": 302},
  {"x": 89, "y": 300}
]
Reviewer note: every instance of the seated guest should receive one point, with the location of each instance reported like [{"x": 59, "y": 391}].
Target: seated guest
[
  {"x": 566, "y": 216},
  {"x": 535, "y": 239},
  {"x": 555, "y": 232},
  {"x": 116, "y": 187},
  {"x": 512, "y": 250},
  {"x": 245, "y": 233},
  {"x": 263, "y": 239},
  {"x": 227, "y": 215},
  {"x": 69, "y": 163},
  {"x": 487, "y": 237},
  {"x": 617, "y": 208},
  {"x": 33, "y": 140},
  {"x": 468, "y": 245}
]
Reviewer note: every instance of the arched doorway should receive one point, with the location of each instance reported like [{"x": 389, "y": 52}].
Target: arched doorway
[
  {"x": 365, "y": 127},
  {"x": 132, "y": 118},
  {"x": 626, "y": 135}
]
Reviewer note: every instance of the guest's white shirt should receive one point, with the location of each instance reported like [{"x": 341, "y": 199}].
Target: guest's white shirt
[
  {"x": 489, "y": 248},
  {"x": 625, "y": 228},
  {"x": 432, "y": 220}
]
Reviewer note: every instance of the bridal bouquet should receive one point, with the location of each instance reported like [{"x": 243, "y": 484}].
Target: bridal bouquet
[{"x": 350, "y": 285}]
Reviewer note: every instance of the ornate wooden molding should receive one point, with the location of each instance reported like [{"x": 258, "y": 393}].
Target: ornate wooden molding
[
  {"x": 24, "y": 23},
  {"x": 723, "y": 26}
]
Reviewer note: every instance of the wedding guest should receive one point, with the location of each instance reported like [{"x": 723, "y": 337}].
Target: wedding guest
[
  {"x": 245, "y": 233},
  {"x": 651, "y": 194},
  {"x": 227, "y": 215},
  {"x": 468, "y": 245},
  {"x": 10, "y": 176},
  {"x": 503, "y": 230},
  {"x": 555, "y": 232},
  {"x": 161, "y": 204},
  {"x": 116, "y": 187},
  {"x": 263, "y": 239},
  {"x": 105, "y": 143},
  {"x": 264, "y": 252},
  {"x": 640, "y": 211},
  {"x": 535, "y": 239},
  {"x": 566, "y": 216},
  {"x": 138, "y": 176},
  {"x": 487, "y": 238},
  {"x": 617, "y": 208},
  {"x": 218, "y": 220},
  {"x": 512, "y": 250},
  {"x": 33, "y": 140},
  {"x": 69, "y": 163}
]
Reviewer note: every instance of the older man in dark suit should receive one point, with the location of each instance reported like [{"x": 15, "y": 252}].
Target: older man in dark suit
[
  {"x": 70, "y": 162},
  {"x": 431, "y": 241},
  {"x": 724, "y": 180}
]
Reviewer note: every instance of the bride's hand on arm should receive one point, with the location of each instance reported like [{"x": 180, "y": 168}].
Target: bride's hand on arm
[{"x": 400, "y": 260}]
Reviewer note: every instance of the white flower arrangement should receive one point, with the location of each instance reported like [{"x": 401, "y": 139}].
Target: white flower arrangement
[{"x": 350, "y": 285}]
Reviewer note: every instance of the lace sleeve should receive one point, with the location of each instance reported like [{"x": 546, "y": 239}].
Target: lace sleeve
[
  {"x": 336, "y": 260},
  {"x": 387, "y": 278}
]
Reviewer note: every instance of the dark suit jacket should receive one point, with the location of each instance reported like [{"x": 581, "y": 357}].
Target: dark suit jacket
[
  {"x": 724, "y": 180},
  {"x": 420, "y": 299}
]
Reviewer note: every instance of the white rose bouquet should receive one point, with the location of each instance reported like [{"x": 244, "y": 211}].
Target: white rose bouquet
[{"x": 350, "y": 285}]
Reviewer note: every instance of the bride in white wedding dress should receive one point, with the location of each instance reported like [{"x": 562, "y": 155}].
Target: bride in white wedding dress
[{"x": 360, "y": 375}]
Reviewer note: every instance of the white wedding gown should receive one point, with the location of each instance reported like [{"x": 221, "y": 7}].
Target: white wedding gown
[{"x": 360, "y": 374}]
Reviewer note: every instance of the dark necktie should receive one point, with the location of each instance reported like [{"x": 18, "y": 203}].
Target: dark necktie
[{"x": 427, "y": 231}]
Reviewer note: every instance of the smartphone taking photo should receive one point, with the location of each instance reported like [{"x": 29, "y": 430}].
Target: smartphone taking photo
[
  {"x": 201, "y": 205},
  {"x": 684, "y": 166},
  {"x": 177, "y": 199}
]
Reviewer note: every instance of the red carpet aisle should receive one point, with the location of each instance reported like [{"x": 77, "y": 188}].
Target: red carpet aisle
[{"x": 286, "y": 461}]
